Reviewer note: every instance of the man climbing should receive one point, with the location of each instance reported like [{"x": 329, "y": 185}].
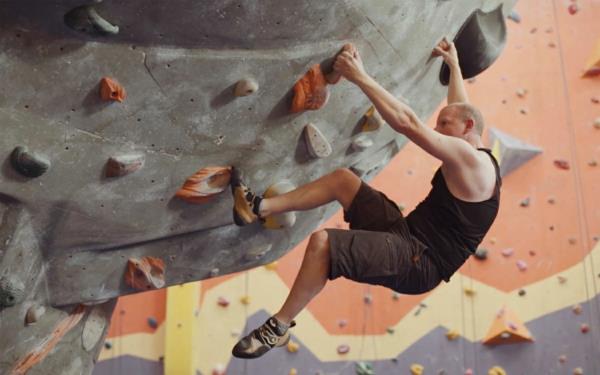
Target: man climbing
[{"x": 410, "y": 255}]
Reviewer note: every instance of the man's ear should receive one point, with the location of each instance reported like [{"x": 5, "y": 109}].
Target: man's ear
[{"x": 469, "y": 124}]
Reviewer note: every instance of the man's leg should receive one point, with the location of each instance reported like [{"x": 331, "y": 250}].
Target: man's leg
[
  {"x": 341, "y": 185},
  {"x": 311, "y": 277}
]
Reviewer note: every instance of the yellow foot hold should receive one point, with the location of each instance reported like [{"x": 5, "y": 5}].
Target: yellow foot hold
[{"x": 373, "y": 120}]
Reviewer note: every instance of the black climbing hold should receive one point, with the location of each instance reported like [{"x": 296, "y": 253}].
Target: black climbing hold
[
  {"x": 522, "y": 292},
  {"x": 152, "y": 323},
  {"x": 108, "y": 345},
  {"x": 85, "y": 19},
  {"x": 28, "y": 164},
  {"x": 478, "y": 43},
  {"x": 12, "y": 291}
]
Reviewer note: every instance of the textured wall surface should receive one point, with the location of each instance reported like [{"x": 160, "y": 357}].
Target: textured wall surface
[{"x": 68, "y": 233}]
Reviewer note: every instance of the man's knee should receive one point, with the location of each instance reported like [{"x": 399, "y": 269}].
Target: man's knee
[
  {"x": 347, "y": 185},
  {"x": 318, "y": 243},
  {"x": 345, "y": 176}
]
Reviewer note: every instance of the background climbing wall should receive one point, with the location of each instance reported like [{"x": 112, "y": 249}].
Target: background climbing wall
[{"x": 543, "y": 260}]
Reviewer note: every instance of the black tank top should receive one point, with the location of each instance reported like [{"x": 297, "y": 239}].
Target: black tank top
[{"x": 452, "y": 228}]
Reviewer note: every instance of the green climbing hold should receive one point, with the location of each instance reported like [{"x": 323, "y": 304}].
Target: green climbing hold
[{"x": 364, "y": 368}]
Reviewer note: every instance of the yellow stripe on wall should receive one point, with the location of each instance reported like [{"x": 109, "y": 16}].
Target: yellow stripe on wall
[{"x": 182, "y": 329}]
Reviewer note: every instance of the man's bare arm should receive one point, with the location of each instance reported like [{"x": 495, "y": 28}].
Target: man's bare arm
[
  {"x": 456, "y": 87},
  {"x": 401, "y": 117}
]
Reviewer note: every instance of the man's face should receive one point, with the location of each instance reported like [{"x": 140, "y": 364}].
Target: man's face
[{"x": 449, "y": 122}]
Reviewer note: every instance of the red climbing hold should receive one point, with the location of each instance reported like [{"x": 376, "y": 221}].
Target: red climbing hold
[
  {"x": 205, "y": 184},
  {"x": 562, "y": 164},
  {"x": 145, "y": 273},
  {"x": 112, "y": 90},
  {"x": 223, "y": 302},
  {"x": 573, "y": 8},
  {"x": 585, "y": 328},
  {"x": 343, "y": 349},
  {"x": 310, "y": 92}
]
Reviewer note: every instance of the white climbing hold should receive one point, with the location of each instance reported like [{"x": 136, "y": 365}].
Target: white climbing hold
[
  {"x": 317, "y": 144},
  {"x": 361, "y": 143},
  {"x": 596, "y": 123},
  {"x": 34, "y": 314},
  {"x": 507, "y": 252},
  {"x": 246, "y": 87},
  {"x": 257, "y": 252},
  {"x": 93, "y": 329},
  {"x": 521, "y": 93},
  {"x": 284, "y": 220}
]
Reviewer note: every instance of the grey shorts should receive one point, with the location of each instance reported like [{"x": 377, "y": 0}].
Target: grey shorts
[{"x": 379, "y": 249}]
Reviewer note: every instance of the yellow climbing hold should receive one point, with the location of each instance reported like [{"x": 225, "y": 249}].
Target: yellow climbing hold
[
  {"x": 416, "y": 369},
  {"x": 469, "y": 291},
  {"x": 373, "y": 120},
  {"x": 292, "y": 346},
  {"x": 245, "y": 300},
  {"x": 496, "y": 370},
  {"x": 271, "y": 266},
  {"x": 452, "y": 334},
  {"x": 293, "y": 371}
]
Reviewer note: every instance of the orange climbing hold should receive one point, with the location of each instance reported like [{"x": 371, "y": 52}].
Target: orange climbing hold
[
  {"x": 310, "y": 92},
  {"x": 112, "y": 90},
  {"x": 145, "y": 273},
  {"x": 46, "y": 344},
  {"x": 205, "y": 184},
  {"x": 507, "y": 329}
]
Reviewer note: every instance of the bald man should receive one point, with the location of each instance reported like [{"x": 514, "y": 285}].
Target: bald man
[{"x": 410, "y": 255}]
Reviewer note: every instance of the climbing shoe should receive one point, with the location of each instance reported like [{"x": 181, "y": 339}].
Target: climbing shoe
[
  {"x": 245, "y": 202},
  {"x": 271, "y": 334}
]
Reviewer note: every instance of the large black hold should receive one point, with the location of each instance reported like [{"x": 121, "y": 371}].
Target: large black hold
[
  {"x": 478, "y": 43},
  {"x": 28, "y": 164}
]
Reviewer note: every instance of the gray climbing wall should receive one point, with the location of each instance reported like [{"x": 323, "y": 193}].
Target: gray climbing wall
[{"x": 67, "y": 230}]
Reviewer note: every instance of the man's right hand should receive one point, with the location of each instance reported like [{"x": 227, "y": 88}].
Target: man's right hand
[
  {"x": 349, "y": 64},
  {"x": 448, "y": 52}
]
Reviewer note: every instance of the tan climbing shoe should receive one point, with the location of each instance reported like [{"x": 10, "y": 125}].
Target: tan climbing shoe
[
  {"x": 245, "y": 202},
  {"x": 269, "y": 335}
]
